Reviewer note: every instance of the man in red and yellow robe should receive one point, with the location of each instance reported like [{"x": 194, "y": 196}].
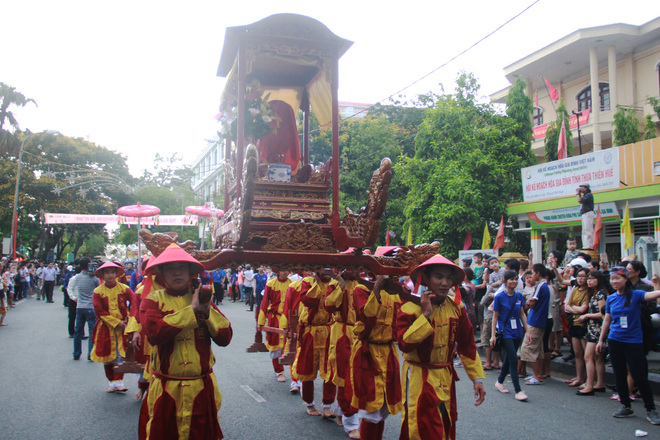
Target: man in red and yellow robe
[
  {"x": 137, "y": 338},
  {"x": 314, "y": 340},
  {"x": 180, "y": 323},
  {"x": 110, "y": 301},
  {"x": 429, "y": 334},
  {"x": 341, "y": 305},
  {"x": 375, "y": 360},
  {"x": 271, "y": 312}
]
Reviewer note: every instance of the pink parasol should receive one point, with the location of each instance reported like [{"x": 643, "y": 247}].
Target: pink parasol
[
  {"x": 204, "y": 212},
  {"x": 138, "y": 211}
]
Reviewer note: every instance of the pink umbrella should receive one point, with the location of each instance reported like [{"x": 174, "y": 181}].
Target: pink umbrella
[
  {"x": 204, "y": 212},
  {"x": 138, "y": 211}
]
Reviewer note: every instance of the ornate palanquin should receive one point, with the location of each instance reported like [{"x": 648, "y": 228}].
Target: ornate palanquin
[{"x": 291, "y": 225}]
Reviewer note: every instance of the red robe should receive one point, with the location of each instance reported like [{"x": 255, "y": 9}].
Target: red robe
[
  {"x": 183, "y": 398},
  {"x": 428, "y": 370},
  {"x": 272, "y": 312},
  {"x": 375, "y": 358},
  {"x": 111, "y": 307}
]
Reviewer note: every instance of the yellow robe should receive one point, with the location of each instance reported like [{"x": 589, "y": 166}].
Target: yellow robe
[
  {"x": 375, "y": 358},
  {"x": 428, "y": 376}
]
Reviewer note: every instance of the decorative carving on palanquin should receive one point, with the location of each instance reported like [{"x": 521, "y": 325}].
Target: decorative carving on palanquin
[
  {"x": 366, "y": 224},
  {"x": 242, "y": 221},
  {"x": 300, "y": 237},
  {"x": 414, "y": 256},
  {"x": 286, "y": 214}
]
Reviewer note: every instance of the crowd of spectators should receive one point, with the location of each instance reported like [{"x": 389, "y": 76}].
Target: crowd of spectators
[{"x": 604, "y": 314}]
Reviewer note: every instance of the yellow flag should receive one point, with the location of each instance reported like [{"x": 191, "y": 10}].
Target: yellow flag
[
  {"x": 409, "y": 234},
  {"x": 626, "y": 229},
  {"x": 485, "y": 243}
]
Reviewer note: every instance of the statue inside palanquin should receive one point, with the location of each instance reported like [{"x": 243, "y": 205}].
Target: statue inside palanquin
[{"x": 282, "y": 145}]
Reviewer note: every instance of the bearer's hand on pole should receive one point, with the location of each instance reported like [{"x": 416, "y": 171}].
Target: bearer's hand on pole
[{"x": 201, "y": 302}]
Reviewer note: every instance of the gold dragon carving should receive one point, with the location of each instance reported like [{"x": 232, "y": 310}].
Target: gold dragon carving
[{"x": 366, "y": 224}]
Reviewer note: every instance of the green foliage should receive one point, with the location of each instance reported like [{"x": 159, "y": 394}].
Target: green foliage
[
  {"x": 171, "y": 201},
  {"x": 363, "y": 143},
  {"x": 408, "y": 115},
  {"x": 655, "y": 103},
  {"x": 552, "y": 134},
  {"x": 8, "y": 97},
  {"x": 61, "y": 175},
  {"x": 519, "y": 108},
  {"x": 626, "y": 126},
  {"x": 649, "y": 128},
  {"x": 466, "y": 168},
  {"x": 168, "y": 172}
]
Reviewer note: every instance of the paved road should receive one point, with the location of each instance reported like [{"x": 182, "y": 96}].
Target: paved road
[{"x": 45, "y": 394}]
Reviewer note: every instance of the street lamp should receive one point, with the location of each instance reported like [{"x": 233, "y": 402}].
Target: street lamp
[{"x": 14, "y": 218}]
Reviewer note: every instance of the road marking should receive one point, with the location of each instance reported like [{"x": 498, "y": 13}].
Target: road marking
[{"x": 253, "y": 394}]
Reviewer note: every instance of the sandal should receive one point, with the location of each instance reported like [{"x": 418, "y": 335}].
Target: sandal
[
  {"x": 554, "y": 354},
  {"x": 533, "y": 381},
  {"x": 575, "y": 384}
]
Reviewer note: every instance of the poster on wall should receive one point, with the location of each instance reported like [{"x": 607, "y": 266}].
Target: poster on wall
[{"x": 560, "y": 178}]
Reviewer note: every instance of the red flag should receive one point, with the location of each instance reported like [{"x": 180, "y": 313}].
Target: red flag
[
  {"x": 597, "y": 230},
  {"x": 468, "y": 241},
  {"x": 499, "y": 240},
  {"x": 537, "y": 98},
  {"x": 387, "y": 237},
  {"x": 554, "y": 94},
  {"x": 562, "y": 151}
]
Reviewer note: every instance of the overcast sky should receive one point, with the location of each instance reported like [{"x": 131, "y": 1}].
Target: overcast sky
[{"x": 138, "y": 77}]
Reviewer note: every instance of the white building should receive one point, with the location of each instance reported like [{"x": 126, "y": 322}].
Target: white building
[{"x": 208, "y": 179}]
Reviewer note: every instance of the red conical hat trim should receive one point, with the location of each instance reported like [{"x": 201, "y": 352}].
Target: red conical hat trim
[
  {"x": 173, "y": 254},
  {"x": 438, "y": 260},
  {"x": 109, "y": 264},
  {"x": 384, "y": 250}
]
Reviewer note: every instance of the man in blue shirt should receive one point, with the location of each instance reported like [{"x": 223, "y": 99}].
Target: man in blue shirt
[
  {"x": 534, "y": 348},
  {"x": 219, "y": 277},
  {"x": 260, "y": 280}
]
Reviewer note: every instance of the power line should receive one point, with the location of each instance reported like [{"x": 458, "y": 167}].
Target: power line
[{"x": 463, "y": 52}]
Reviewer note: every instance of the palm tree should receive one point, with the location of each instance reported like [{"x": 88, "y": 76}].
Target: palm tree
[{"x": 9, "y": 96}]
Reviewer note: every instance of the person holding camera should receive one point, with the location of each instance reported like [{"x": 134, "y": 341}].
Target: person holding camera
[{"x": 586, "y": 199}]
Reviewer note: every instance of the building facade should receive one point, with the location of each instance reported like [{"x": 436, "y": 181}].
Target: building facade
[
  {"x": 208, "y": 167},
  {"x": 620, "y": 64}
]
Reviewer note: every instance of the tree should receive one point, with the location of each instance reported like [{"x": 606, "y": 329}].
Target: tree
[
  {"x": 519, "y": 108},
  {"x": 626, "y": 126},
  {"x": 8, "y": 97},
  {"x": 466, "y": 168},
  {"x": 363, "y": 143},
  {"x": 655, "y": 103},
  {"x": 168, "y": 172},
  {"x": 167, "y": 186},
  {"x": 649, "y": 128},
  {"x": 554, "y": 129},
  {"x": 62, "y": 175}
]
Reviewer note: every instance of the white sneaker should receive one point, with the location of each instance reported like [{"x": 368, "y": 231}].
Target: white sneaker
[
  {"x": 521, "y": 396},
  {"x": 501, "y": 388}
]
